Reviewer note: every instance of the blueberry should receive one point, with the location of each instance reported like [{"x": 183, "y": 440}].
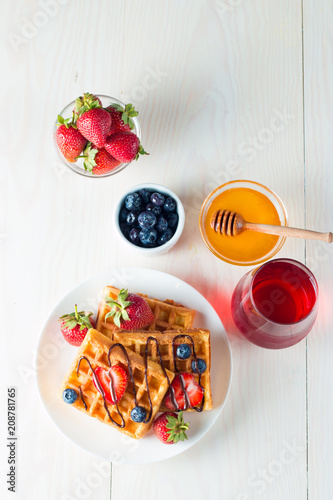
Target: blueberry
[
  {"x": 147, "y": 219},
  {"x": 183, "y": 351},
  {"x": 133, "y": 201},
  {"x": 69, "y": 396},
  {"x": 172, "y": 220},
  {"x": 148, "y": 237},
  {"x": 161, "y": 224},
  {"x": 125, "y": 229},
  {"x": 164, "y": 237},
  {"x": 154, "y": 208},
  {"x": 134, "y": 235},
  {"x": 201, "y": 365},
  {"x": 132, "y": 218},
  {"x": 138, "y": 414},
  {"x": 145, "y": 195},
  {"x": 157, "y": 198},
  {"x": 123, "y": 214},
  {"x": 169, "y": 205}
]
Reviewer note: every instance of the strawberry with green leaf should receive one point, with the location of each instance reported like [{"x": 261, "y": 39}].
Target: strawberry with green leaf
[
  {"x": 121, "y": 117},
  {"x": 74, "y": 326},
  {"x": 69, "y": 140},
  {"x": 170, "y": 428},
  {"x": 98, "y": 161},
  {"x": 129, "y": 311},
  {"x": 92, "y": 120},
  {"x": 84, "y": 103}
]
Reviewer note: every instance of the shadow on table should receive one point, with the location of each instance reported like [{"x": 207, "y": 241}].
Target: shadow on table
[{"x": 221, "y": 301}]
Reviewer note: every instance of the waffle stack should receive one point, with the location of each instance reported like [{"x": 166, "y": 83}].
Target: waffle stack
[
  {"x": 154, "y": 347},
  {"x": 136, "y": 341},
  {"x": 95, "y": 348},
  {"x": 168, "y": 315}
]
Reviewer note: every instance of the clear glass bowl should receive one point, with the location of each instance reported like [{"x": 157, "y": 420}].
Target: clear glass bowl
[
  {"x": 78, "y": 165},
  {"x": 241, "y": 241}
]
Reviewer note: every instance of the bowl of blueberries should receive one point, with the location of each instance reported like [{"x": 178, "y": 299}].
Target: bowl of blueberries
[{"x": 149, "y": 218}]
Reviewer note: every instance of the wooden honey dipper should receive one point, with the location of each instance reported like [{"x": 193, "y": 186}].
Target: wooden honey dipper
[{"x": 230, "y": 223}]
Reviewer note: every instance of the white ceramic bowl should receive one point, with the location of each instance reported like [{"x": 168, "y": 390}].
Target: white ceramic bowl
[
  {"x": 159, "y": 249},
  {"x": 78, "y": 165}
]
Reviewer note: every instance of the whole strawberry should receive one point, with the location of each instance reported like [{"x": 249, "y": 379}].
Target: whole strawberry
[
  {"x": 170, "y": 428},
  {"x": 69, "y": 140},
  {"x": 124, "y": 146},
  {"x": 98, "y": 161},
  {"x": 129, "y": 311},
  {"x": 94, "y": 125},
  {"x": 121, "y": 118},
  {"x": 74, "y": 326},
  {"x": 84, "y": 103}
]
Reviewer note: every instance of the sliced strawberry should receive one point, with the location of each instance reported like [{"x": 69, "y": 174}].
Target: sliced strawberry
[
  {"x": 193, "y": 390},
  {"x": 113, "y": 381},
  {"x": 179, "y": 395}
]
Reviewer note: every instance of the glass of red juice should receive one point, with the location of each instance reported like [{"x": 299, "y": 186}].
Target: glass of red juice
[{"x": 276, "y": 304}]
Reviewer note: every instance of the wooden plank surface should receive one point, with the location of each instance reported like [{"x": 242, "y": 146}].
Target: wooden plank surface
[
  {"x": 318, "y": 97},
  {"x": 223, "y": 87},
  {"x": 219, "y": 87}
]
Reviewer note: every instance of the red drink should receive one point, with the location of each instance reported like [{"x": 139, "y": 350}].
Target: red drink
[{"x": 275, "y": 305}]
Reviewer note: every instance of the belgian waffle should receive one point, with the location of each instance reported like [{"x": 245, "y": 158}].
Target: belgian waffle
[
  {"x": 137, "y": 341},
  {"x": 168, "y": 315},
  {"x": 95, "y": 348}
]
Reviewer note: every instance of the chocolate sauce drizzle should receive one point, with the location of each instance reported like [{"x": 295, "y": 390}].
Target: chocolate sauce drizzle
[
  {"x": 101, "y": 391},
  {"x": 187, "y": 401},
  {"x": 83, "y": 401},
  {"x": 172, "y": 391}
]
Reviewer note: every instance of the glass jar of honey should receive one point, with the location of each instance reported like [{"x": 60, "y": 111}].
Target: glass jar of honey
[{"x": 256, "y": 203}]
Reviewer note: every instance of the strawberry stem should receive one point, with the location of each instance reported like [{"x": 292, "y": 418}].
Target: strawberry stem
[
  {"x": 89, "y": 154},
  {"x": 118, "y": 307},
  {"x": 76, "y": 313},
  {"x": 176, "y": 428},
  {"x": 141, "y": 151}
]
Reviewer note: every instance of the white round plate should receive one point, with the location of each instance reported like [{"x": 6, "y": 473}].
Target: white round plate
[{"x": 54, "y": 357}]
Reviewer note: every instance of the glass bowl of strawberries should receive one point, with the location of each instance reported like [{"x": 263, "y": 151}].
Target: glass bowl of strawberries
[{"x": 98, "y": 135}]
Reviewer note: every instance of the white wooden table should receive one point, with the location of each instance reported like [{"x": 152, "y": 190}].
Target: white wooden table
[{"x": 226, "y": 89}]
